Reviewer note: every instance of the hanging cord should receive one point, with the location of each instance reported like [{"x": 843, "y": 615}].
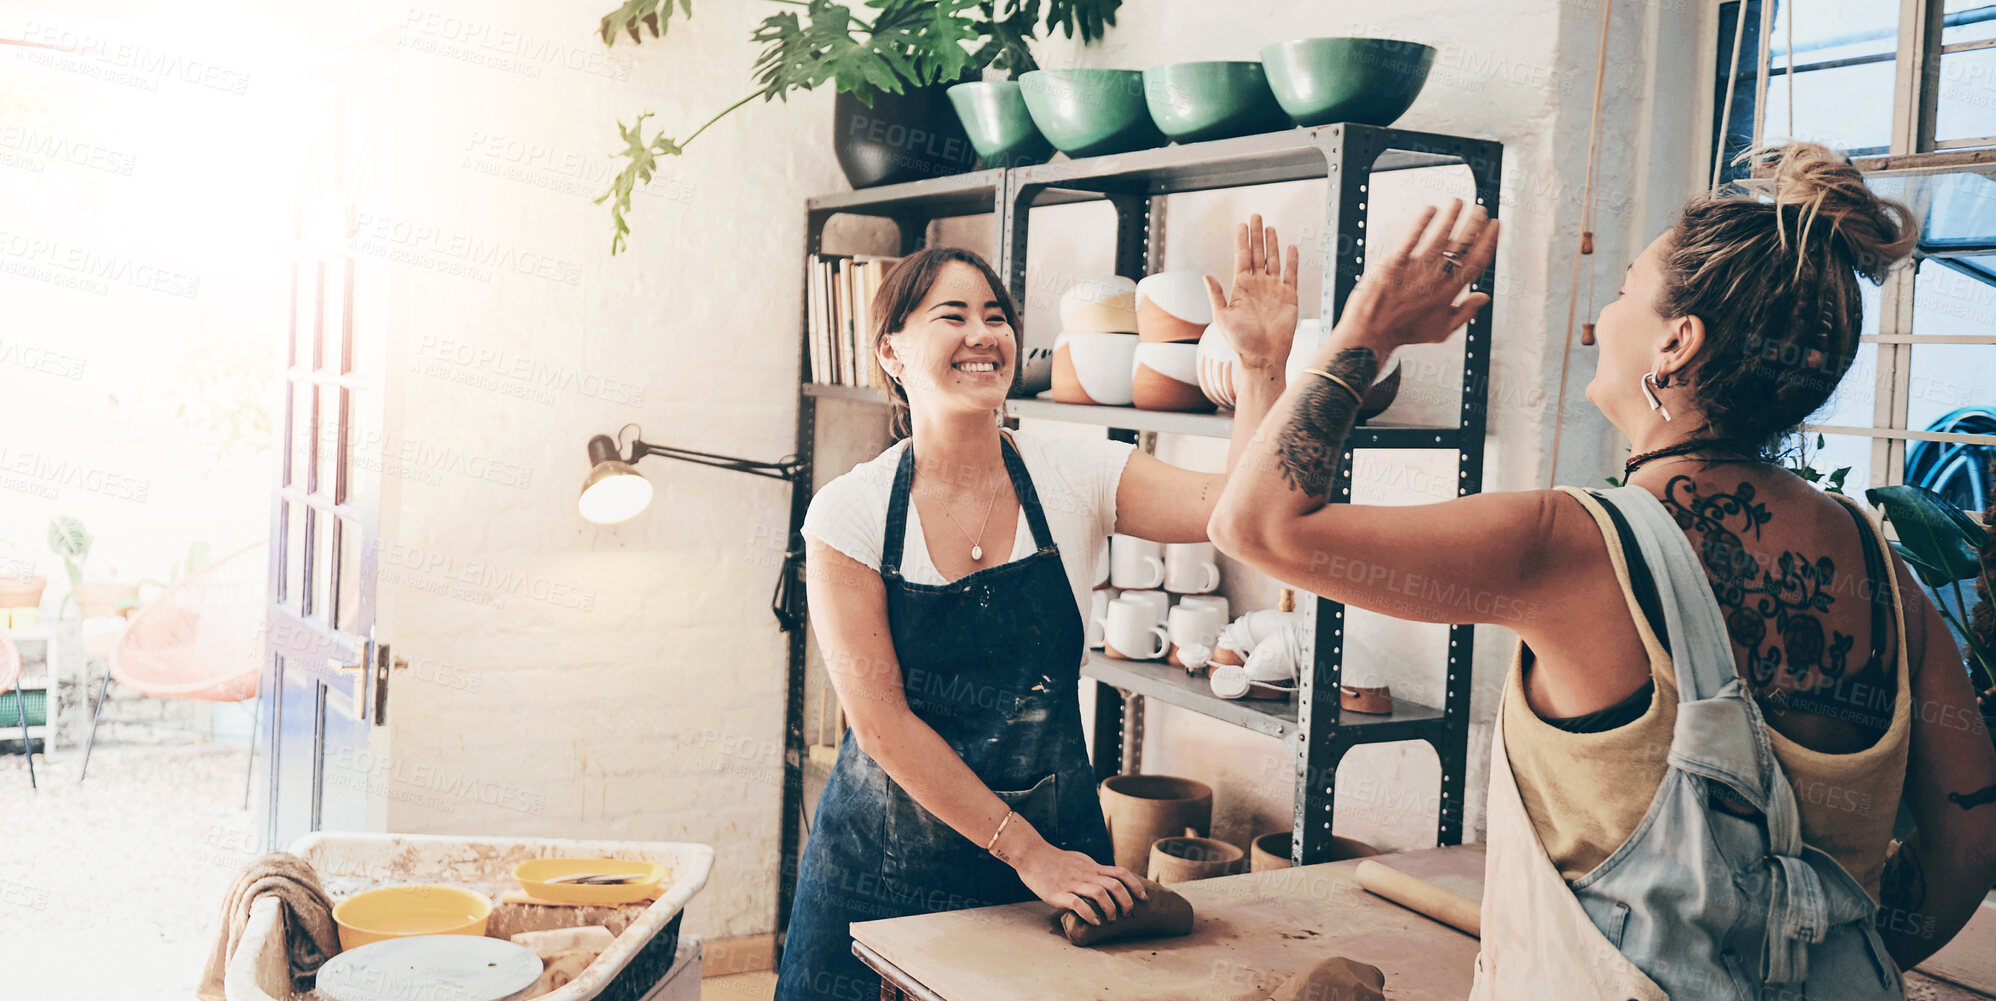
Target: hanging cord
[
  {"x": 1586, "y": 242},
  {"x": 1726, "y": 110},
  {"x": 1760, "y": 73},
  {"x": 1788, "y": 71}
]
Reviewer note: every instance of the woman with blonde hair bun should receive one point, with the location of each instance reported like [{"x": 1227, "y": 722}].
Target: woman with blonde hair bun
[{"x": 1692, "y": 789}]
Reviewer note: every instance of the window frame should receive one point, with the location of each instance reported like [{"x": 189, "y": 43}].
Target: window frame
[{"x": 1913, "y": 152}]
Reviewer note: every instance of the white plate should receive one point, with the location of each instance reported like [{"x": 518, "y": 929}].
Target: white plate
[{"x": 459, "y": 967}]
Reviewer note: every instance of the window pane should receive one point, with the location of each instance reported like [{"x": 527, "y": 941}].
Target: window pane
[
  {"x": 294, "y": 555},
  {"x": 339, "y": 278},
  {"x": 1949, "y": 377},
  {"x": 323, "y": 557},
  {"x": 1947, "y": 302},
  {"x": 350, "y": 580},
  {"x": 1849, "y": 107},
  {"x": 304, "y": 312},
  {"x": 1832, "y": 29},
  {"x": 1968, "y": 21},
  {"x": 1855, "y": 403},
  {"x": 303, "y": 428},
  {"x": 328, "y": 438},
  {"x": 1839, "y": 451},
  {"x": 1966, "y": 105}
]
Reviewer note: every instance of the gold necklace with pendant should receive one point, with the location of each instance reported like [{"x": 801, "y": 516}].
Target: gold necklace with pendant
[{"x": 976, "y": 550}]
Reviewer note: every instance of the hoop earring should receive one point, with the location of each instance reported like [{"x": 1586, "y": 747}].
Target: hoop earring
[{"x": 1649, "y": 386}]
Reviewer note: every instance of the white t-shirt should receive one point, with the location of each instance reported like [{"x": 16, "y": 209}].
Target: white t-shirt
[{"x": 1075, "y": 478}]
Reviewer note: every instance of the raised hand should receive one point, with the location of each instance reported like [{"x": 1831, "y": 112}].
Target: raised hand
[
  {"x": 1260, "y": 317},
  {"x": 1414, "y": 294}
]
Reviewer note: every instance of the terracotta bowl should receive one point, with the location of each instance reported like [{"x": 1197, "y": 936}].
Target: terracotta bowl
[
  {"x": 1271, "y": 851},
  {"x": 1140, "y": 809},
  {"x": 1181, "y": 860},
  {"x": 1102, "y": 305},
  {"x": 1172, "y": 307},
  {"x": 1094, "y": 369},
  {"x": 1166, "y": 377}
]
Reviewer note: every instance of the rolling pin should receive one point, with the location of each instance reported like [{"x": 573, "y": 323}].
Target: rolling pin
[{"x": 1421, "y": 897}]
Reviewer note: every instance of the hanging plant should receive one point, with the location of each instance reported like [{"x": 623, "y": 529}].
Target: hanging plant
[{"x": 905, "y": 43}]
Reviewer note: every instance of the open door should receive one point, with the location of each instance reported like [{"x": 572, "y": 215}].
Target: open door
[{"x": 326, "y": 672}]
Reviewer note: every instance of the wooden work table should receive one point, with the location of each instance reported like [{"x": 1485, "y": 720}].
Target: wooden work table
[{"x": 1250, "y": 933}]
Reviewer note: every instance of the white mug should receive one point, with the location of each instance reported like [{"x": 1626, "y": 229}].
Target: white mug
[
  {"x": 1194, "y": 625},
  {"x": 1135, "y": 563},
  {"x": 1216, "y": 602},
  {"x": 1131, "y": 632},
  {"x": 1159, "y": 602},
  {"x": 1189, "y": 568},
  {"x": 1098, "y": 609},
  {"x": 1102, "y": 564},
  {"x": 1194, "y": 631}
]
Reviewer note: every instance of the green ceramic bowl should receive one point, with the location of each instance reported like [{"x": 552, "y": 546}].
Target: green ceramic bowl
[
  {"x": 1194, "y": 102},
  {"x": 1091, "y": 112},
  {"x": 1001, "y": 129},
  {"x": 1370, "y": 80}
]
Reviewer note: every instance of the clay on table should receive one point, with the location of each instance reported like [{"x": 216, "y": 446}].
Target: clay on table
[{"x": 1164, "y": 913}]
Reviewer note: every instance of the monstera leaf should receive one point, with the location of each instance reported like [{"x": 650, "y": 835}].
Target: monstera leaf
[{"x": 1935, "y": 537}]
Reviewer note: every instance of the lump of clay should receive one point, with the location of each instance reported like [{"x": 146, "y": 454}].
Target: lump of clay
[
  {"x": 1164, "y": 913},
  {"x": 1337, "y": 977}
]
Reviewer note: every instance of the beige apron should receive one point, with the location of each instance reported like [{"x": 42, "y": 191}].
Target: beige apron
[{"x": 1538, "y": 942}]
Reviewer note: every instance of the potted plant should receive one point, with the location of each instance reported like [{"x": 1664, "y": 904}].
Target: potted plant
[
  {"x": 1945, "y": 547},
  {"x": 891, "y": 68},
  {"x": 69, "y": 540}
]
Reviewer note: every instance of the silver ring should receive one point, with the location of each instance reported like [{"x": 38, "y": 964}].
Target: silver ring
[{"x": 1453, "y": 255}]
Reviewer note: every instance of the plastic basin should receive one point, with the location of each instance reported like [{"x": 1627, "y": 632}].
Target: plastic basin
[
  {"x": 1368, "y": 80},
  {"x": 1194, "y": 102},
  {"x": 1091, "y": 112}
]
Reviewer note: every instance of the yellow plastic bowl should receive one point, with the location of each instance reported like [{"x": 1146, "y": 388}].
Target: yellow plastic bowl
[
  {"x": 416, "y": 909},
  {"x": 534, "y": 874}
]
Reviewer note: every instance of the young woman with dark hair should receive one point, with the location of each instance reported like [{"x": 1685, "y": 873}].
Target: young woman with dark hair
[
  {"x": 1693, "y": 790},
  {"x": 947, "y": 580}
]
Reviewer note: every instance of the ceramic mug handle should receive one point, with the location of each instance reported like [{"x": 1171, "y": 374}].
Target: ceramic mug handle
[
  {"x": 1163, "y": 643},
  {"x": 1156, "y": 568},
  {"x": 1098, "y": 631},
  {"x": 1212, "y": 578}
]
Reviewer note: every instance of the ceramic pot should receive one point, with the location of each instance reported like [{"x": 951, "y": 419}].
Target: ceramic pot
[
  {"x": 101, "y": 600},
  {"x": 1172, "y": 307},
  {"x": 1271, "y": 851},
  {"x": 1367, "y": 80},
  {"x": 1140, "y": 809},
  {"x": 1094, "y": 369},
  {"x": 1184, "y": 859},
  {"x": 22, "y": 592},
  {"x": 1218, "y": 361},
  {"x": 1090, "y": 112},
  {"x": 1105, "y": 305},
  {"x": 994, "y": 115},
  {"x": 1166, "y": 377},
  {"x": 911, "y": 136},
  {"x": 1197, "y": 101}
]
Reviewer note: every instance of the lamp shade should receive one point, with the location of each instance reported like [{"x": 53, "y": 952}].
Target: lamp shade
[{"x": 614, "y": 491}]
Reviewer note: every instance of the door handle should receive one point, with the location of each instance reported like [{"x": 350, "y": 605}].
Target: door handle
[{"x": 359, "y": 672}]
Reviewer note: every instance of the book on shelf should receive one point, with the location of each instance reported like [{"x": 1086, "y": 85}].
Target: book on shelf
[{"x": 841, "y": 290}]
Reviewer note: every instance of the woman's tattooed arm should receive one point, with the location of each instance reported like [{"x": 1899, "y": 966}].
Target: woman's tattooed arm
[{"x": 1309, "y": 447}]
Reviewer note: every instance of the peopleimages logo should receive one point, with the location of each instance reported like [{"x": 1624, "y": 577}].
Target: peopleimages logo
[{"x": 139, "y": 63}]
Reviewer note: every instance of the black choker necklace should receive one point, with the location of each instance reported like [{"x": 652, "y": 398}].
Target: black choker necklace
[{"x": 1635, "y": 462}]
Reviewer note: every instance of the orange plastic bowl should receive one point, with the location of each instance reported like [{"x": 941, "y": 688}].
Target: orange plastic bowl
[{"x": 416, "y": 909}]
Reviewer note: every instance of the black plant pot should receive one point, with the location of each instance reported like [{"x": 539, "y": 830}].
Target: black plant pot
[{"x": 910, "y": 136}]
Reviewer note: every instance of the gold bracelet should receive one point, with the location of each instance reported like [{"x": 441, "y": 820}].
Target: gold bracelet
[
  {"x": 993, "y": 843},
  {"x": 1355, "y": 394}
]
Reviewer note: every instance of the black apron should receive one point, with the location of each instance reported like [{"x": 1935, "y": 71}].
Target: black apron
[{"x": 991, "y": 661}]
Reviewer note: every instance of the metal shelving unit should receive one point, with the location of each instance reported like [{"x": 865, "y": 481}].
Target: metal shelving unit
[{"x": 1316, "y": 730}]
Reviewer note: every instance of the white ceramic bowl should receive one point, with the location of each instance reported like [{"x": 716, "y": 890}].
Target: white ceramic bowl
[
  {"x": 1100, "y": 305},
  {"x": 1094, "y": 368},
  {"x": 1165, "y": 376},
  {"x": 1172, "y": 306}
]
